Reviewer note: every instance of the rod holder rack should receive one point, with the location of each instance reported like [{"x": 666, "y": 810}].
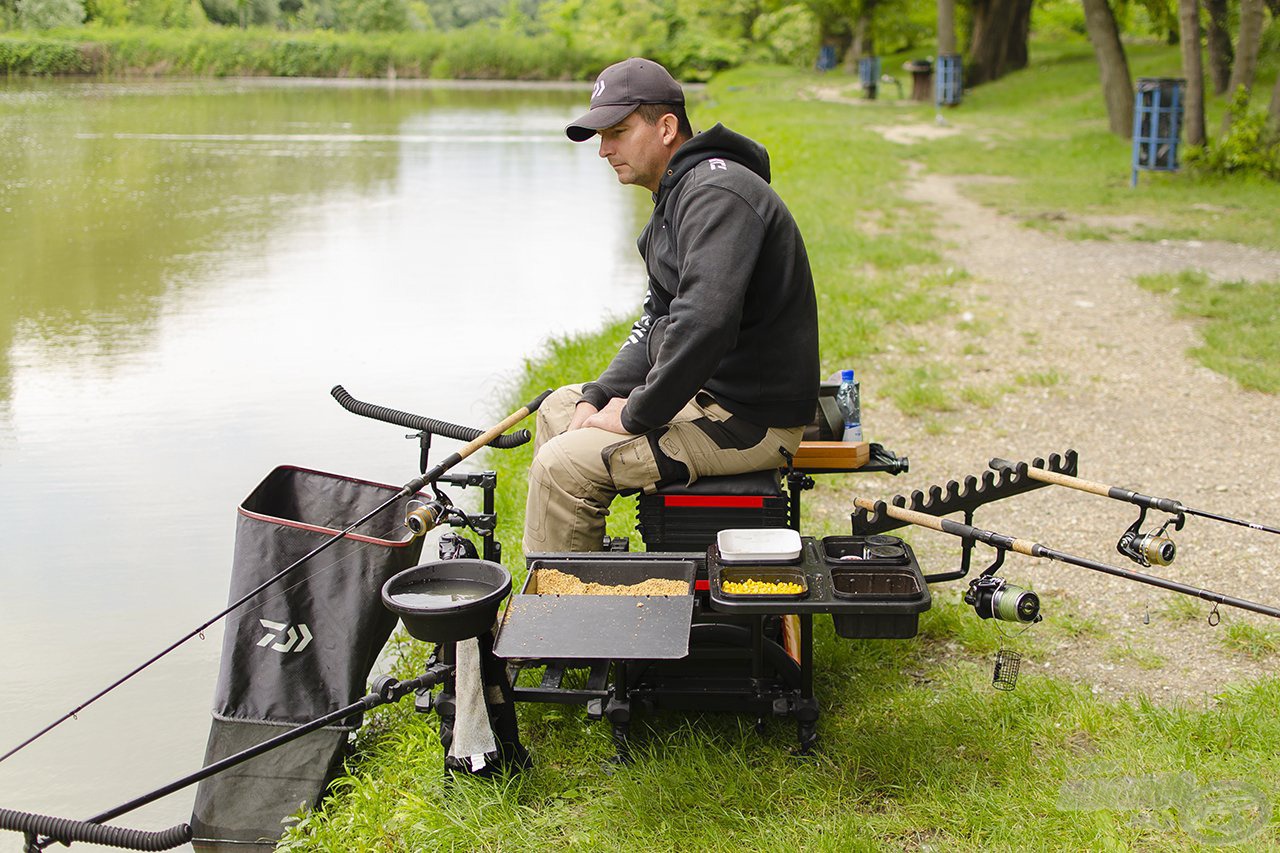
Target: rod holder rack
[{"x": 964, "y": 497}]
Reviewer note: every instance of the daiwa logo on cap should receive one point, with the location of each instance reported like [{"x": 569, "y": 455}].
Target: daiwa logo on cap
[{"x": 598, "y": 90}]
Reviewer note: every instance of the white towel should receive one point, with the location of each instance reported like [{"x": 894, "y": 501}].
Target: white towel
[{"x": 472, "y": 736}]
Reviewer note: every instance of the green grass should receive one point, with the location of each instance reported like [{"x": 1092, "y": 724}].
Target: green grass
[
  {"x": 1039, "y": 379},
  {"x": 1045, "y": 130},
  {"x": 1241, "y": 328},
  {"x": 917, "y": 750},
  {"x": 1250, "y": 640}
]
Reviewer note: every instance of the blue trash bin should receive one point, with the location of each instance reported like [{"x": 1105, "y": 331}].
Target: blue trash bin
[
  {"x": 869, "y": 75},
  {"x": 1157, "y": 124},
  {"x": 826, "y": 57},
  {"x": 949, "y": 81}
]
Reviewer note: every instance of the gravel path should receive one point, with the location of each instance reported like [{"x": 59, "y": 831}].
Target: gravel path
[{"x": 1120, "y": 390}]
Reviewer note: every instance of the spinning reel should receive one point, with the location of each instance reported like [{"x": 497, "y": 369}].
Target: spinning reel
[
  {"x": 1148, "y": 549},
  {"x": 423, "y": 516},
  {"x": 993, "y": 597}
]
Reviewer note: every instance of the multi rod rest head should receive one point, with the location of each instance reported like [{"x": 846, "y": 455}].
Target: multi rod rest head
[{"x": 953, "y": 497}]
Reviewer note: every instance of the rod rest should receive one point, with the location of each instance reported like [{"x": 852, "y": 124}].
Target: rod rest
[
  {"x": 954, "y": 497},
  {"x": 424, "y": 424},
  {"x": 65, "y": 831}
]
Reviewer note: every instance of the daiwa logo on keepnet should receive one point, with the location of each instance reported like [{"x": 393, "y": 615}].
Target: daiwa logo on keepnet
[{"x": 284, "y": 637}]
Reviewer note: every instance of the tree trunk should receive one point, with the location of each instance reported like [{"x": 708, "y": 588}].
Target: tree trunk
[
  {"x": 1193, "y": 70},
  {"x": 1247, "y": 45},
  {"x": 1218, "y": 40},
  {"x": 946, "y": 27},
  {"x": 863, "y": 40},
  {"x": 999, "y": 41},
  {"x": 1117, "y": 86}
]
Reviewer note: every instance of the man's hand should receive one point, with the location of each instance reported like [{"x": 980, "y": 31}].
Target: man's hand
[
  {"x": 609, "y": 418},
  {"x": 581, "y": 412}
]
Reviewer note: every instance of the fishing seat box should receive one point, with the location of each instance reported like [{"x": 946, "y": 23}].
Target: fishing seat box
[{"x": 680, "y": 517}]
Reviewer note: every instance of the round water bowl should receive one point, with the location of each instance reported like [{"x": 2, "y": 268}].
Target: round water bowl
[{"x": 448, "y": 600}]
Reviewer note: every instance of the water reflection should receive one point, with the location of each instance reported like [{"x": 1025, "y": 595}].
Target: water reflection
[{"x": 185, "y": 270}]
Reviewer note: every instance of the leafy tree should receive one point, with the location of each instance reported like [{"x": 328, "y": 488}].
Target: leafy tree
[
  {"x": 375, "y": 16},
  {"x": 1248, "y": 45},
  {"x": 786, "y": 35},
  {"x": 235, "y": 13},
  {"x": 112, "y": 13},
  {"x": 48, "y": 14}
]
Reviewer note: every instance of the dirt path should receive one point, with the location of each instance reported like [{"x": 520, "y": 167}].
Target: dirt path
[{"x": 1117, "y": 386}]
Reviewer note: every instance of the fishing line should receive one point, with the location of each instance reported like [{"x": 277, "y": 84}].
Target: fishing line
[
  {"x": 477, "y": 441},
  {"x": 1026, "y": 547},
  {"x": 1169, "y": 505},
  {"x": 198, "y": 631}
]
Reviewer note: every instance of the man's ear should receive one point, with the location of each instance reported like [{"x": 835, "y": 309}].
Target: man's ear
[{"x": 669, "y": 126}]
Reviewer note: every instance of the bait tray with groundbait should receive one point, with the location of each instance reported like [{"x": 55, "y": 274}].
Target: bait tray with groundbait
[{"x": 585, "y": 627}]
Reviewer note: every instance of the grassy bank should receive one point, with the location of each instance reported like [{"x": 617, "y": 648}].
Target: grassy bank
[
  {"x": 1044, "y": 132},
  {"x": 916, "y": 750},
  {"x": 221, "y": 52}
]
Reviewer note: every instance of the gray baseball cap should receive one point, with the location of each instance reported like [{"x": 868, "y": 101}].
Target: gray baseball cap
[{"x": 621, "y": 88}]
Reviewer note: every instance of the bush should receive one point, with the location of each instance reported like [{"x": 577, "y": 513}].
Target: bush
[
  {"x": 376, "y": 16},
  {"x": 788, "y": 36},
  {"x": 1246, "y": 148},
  {"x": 50, "y": 14},
  {"x": 41, "y": 56}
]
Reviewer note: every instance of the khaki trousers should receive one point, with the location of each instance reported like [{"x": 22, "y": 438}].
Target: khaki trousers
[{"x": 575, "y": 475}]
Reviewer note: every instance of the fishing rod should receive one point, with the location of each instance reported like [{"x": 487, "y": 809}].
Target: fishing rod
[
  {"x": 42, "y": 830},
  {"x": 1144, "y": 548},
  {"x": 425, "y": 517},
  {"x": 1002, "y": 542}
]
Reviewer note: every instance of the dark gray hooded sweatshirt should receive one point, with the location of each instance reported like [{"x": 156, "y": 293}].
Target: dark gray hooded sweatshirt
[{"x": 730, "y": 307}]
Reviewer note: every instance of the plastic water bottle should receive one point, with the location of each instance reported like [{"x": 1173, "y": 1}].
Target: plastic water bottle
[{"x": 850, "y": 406}]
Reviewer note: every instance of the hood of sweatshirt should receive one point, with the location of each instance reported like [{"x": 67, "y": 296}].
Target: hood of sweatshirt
[{"x": 719, "y": 141}]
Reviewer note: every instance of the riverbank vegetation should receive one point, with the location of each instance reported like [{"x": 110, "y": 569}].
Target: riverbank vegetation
[
  {"x": 573, "y": 39},
  {"x": 916, "y": 750}
]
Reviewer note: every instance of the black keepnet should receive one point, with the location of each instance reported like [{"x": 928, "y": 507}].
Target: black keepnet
[{"x": 301, "y": 648}]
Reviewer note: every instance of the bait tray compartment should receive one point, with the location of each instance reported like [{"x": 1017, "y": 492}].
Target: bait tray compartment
[
  {"x": 737, "y": 573},
  {"x": 890, "y": 601},
  {"x": 878, "y": 550}
]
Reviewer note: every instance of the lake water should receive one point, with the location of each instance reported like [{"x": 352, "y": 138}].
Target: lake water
[{"x": 186, "y": 268}]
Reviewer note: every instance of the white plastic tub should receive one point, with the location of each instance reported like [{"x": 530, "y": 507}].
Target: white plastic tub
[{"x": 774, "y": 545}]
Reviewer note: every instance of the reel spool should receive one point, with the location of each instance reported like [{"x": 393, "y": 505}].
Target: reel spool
[
  {"x": 1150, "y": 549},
  {"x": 993, "y": 597},
  {"x": 422, "y": 516}
]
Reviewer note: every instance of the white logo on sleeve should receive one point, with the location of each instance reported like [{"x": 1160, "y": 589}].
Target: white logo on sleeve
[{"x": 717, "y": 163}]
